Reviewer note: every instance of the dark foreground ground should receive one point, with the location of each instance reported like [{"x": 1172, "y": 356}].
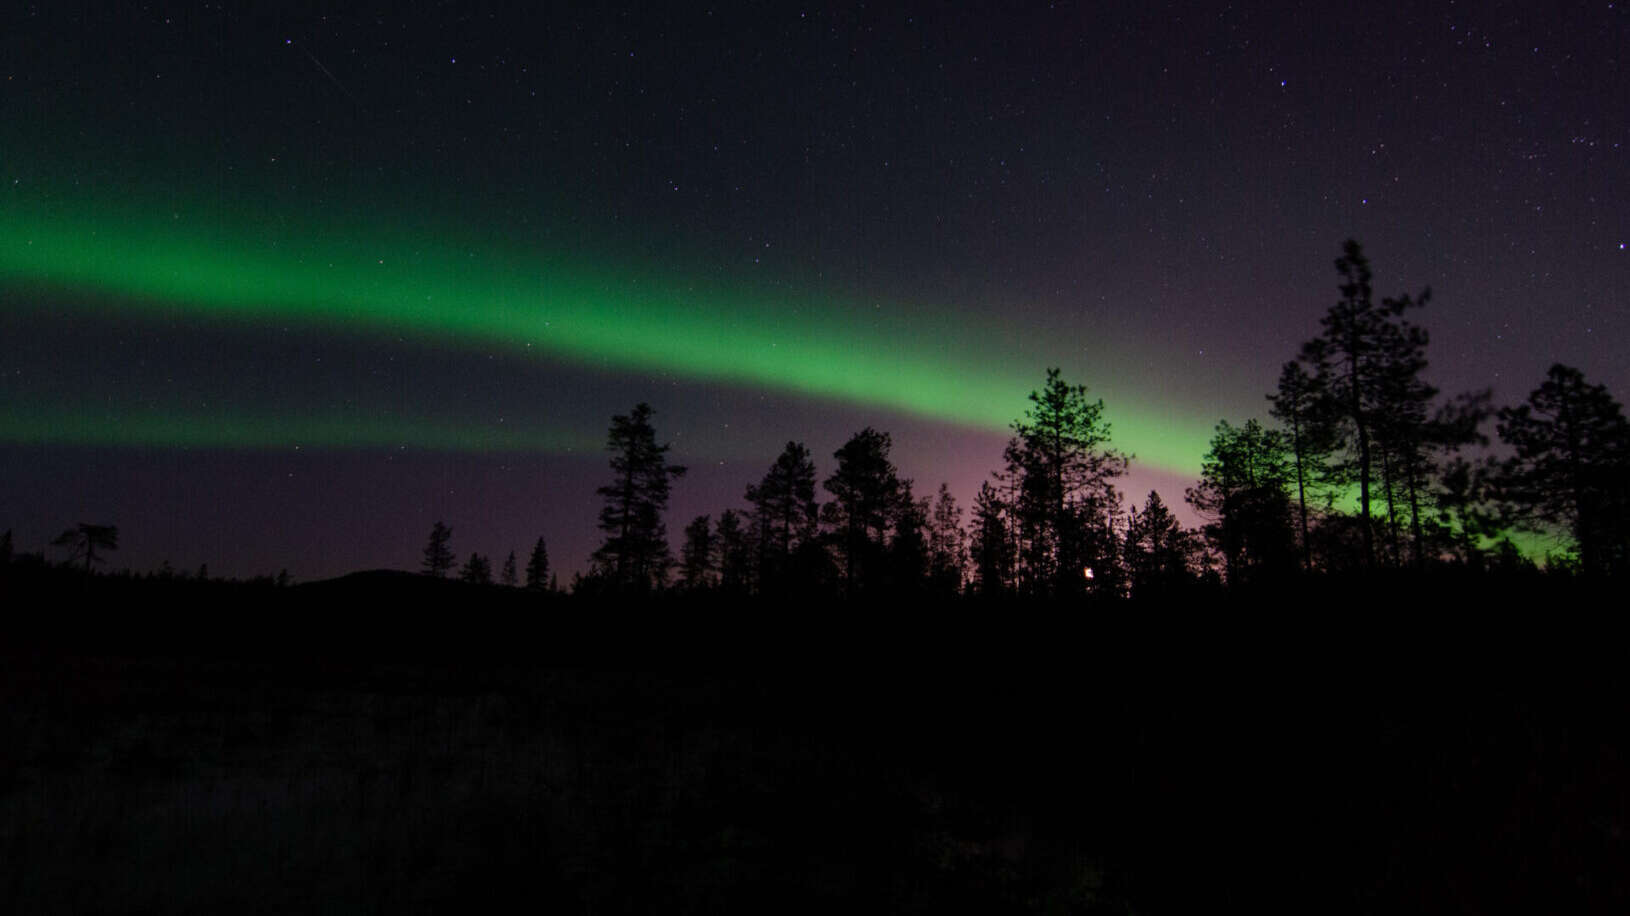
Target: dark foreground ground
[{"x": 372, "y": 747}]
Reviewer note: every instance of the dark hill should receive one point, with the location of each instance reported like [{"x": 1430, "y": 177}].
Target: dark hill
[{"x": 382, "y": 741}]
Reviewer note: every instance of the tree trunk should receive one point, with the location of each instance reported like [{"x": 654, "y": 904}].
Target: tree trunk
[
  {"x": 1363, "y": 435},
  {"x": 1392, "y": 514},
  {"x": 1411, "y": 482},
  {"x": 1301, "y": 491}
]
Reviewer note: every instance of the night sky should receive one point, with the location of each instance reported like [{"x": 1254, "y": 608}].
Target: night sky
[{"x": 280, "y": 290}]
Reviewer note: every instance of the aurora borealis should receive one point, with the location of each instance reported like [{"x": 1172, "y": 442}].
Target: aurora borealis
[
  {"x": 400, "y": 268},
  {"x": 482, "y": 297}
]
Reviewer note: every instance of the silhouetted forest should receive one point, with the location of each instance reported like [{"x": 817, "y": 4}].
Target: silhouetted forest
[
  {"x": 1364, "y": 467},
  {"x": 1347, "y": 691}
]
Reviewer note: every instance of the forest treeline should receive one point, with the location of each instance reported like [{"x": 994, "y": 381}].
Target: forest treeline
[{"x": 1361, "y": 466}]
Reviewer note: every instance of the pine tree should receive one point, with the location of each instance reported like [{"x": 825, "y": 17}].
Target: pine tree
[
  {"x": 1571, "y": 467},
  {"x": 1366, "y": 357},
  {"x": 908, "y": 555},
  {"x": 1295, "y": 404},
  {"x": 992, "y": 546},
  {"x": 1466, "y": 508},
  {"x": 784, "y": 513},
  {"x": 1404, "y": 430},
  {"x": 1449, "y": 507},
  {"x": 1158, "y": 550},
  {"x": 509, "y": 577},
  {"x": 1067, "y": 502},
  {"x": 735, "y": 554},
  {"x": 1244, "y": 492},
  {"x": 947, "y": 545},
  {"x": 438, "y": 556},
  {"x": 477, "y": 570},
  {"x": 698, "y": 557},
  {"x": 635, "y": 555},
  {"x": 537, "y": 567},
  {"x": 866, "y": 493}
]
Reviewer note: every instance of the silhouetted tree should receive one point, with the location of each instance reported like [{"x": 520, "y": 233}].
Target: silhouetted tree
[
  {"x": 1466, "y": 513},
  {"x": 537, "y": 567},
  {"x": 1448, "y": 499},
  {"x": 477, "y": 570},
  {"x": 1363, "y": 350},
  {"x": 509, "y": 576},
  {"x": 784, "y": 513},
  {"x": 438, "y": 556},
  {"x": 85, "y": 540},
  {"x": 203, "y": 572},
  {"x": 1413, "y": 441},
  {"x": 1398, "y": 419},
  {"x": 947, "y": 545},
  {"x": 1065, "y": 470},
  {"x": 908, "y": 556},
  {"x": 866, "y": 494},
  {"x": 1507, "y": 559},
  {"x": 1295, "y": 404},
  {"x": 5, "y": 548},
  {"x": 635, "y": 555},
  {"x": 1158, "y": 550},
  {"x": 992, "y": 547},
  {"x": 1571, "y": 467},
  {"x": 1243, "y": 492},
  {"x": 698, "y": 557},
  {"x": 735, "y": 554}
]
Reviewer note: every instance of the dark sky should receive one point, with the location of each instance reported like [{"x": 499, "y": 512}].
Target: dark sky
[{"x": 282, "y": 289}]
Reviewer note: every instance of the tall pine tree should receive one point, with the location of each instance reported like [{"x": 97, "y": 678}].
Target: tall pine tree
[
  {"x": 537, "y": 567},
  {"x": 992, "y": 550},
  {"x": 438, "y": 555},
  {"x": 908, "y": 552},
  {"x": 735, "y": 545},
  {"x": 1295, "y": 404},
  {"x": 1364, "y": 352},
  {"x": 947, "y": 545},
  {"x": 1067, "y": 502},
  {"x": 1244, "y": 493},
  {"x": 698, "y": 558},
  {"x": 1158, "y": 551},
  {"x": 477, "y": 570},
  {"x": 785, "y": 514},
  {"x": 635, "y": 557},
  {"x": 866, "y": 493}
]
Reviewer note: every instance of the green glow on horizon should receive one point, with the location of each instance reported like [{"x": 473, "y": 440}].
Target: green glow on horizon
[{"x": 388, "y": 281}]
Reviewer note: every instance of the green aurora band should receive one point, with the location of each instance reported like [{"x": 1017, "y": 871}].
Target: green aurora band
[{"x": 390, "y": 282}]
